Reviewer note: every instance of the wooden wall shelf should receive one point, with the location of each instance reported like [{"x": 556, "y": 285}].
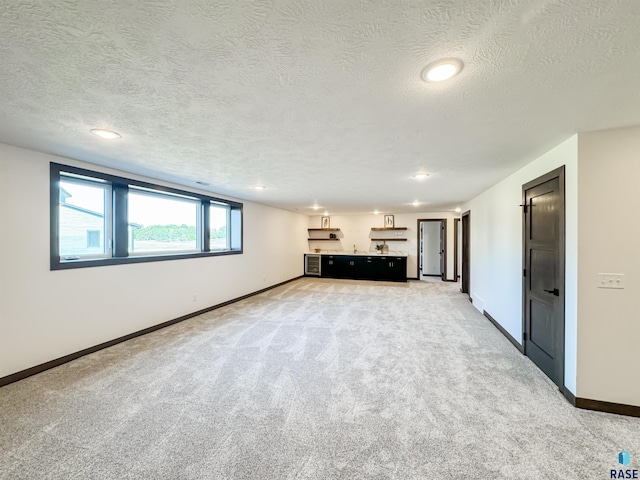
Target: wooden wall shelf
[
  {"x": 323, "y": 239},
  {"x": 391, "y": 239},
  {"x": 388, "y": 228}
]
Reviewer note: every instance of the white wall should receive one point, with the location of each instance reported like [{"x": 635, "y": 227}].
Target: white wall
[
  {"x": 356, "y": 229},
  {"x": 496, "y": 248},
  {"x": 609, "y": 328},
  {"x": 431, "y": 248},
  {"x": 48, "y": 314}
]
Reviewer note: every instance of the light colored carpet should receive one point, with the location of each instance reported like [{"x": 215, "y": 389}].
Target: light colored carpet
[{"x": 315, "y": 379}]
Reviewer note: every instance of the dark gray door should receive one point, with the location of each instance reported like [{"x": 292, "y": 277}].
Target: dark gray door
[
  {"x": 421, "y": 259},
  {"x": 544, "y": 274},
  {"x": 466, "y": 255},
  {"x": 443, "y": 272}
]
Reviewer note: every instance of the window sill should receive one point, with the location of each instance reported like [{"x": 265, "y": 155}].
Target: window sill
[{"x": 97, "y": 262}]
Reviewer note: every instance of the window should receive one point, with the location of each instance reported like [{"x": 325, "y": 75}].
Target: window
[
  {"x": 219, "y": 233},
  {"x": 83, "y": 218},
  {"x": 100, "y": 219},
  {"x": 94, "y": 238},
  {"x": 162, "y": 223}
]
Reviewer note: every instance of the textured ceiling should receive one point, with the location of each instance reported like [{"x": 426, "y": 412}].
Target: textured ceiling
[{"x": 319, "y": 100}]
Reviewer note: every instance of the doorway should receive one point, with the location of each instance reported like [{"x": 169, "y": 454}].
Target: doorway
[
  {"x": 465, "y": 285},
  {"x": 432, "y": 248},
  {"x": 544, "y": 272}
]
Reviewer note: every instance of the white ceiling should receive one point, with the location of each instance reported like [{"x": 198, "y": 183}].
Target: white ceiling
[{"x": 319, "y": 100}]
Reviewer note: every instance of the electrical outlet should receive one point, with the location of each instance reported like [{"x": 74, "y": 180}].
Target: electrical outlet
[{"x": 611, "y": 280}]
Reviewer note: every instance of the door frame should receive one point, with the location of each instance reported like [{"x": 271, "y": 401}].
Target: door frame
[
  {"x": 560, "y": 342},
  {"x": 466, "y": 253},
  {"x": 443, "y": 221},
  {"x": 456, "y": 277}
]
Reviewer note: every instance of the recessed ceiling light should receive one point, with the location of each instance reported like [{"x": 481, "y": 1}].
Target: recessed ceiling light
[
  {"x": 420, "y": 176},
  {"x": 416, "y": 203},
  {"x": 316, "y": 207},
  {"x": 326, "y": 213},
  {"x": 442, "y": 70},
  {"x": 376, "y": 212},
  {"x": 108, "y": 134},
  {"x": 259, "y": 187},
  {"x": 458, "y": 210}
]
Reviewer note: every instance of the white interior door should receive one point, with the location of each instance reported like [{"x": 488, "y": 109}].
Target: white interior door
[{"x": 431, "y": 248}]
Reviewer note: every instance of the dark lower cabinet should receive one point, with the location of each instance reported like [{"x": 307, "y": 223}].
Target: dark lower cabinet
[
  {"x": 349, "y": 266},
  {"x": 330, "y": 267},
  {"x": 392, "y": 268},
  {"x": 341, "y": 266},
  {"x": 360, "y": 267},
  {"x": 368, "y": 268},
  {"x": 399, "y": 269}
]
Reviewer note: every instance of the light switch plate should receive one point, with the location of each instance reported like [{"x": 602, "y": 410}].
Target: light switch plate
[{"x": 611, "y": 280}]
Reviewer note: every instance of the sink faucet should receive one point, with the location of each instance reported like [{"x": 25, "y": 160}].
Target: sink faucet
[{"x": 354, "y": 248}]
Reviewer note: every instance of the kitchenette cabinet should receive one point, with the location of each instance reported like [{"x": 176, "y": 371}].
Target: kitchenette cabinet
[
  {"x": 392, "y": 268},
  {"x": 364, "y": 267}
]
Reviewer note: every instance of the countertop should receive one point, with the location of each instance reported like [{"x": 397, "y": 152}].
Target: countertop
[{"x": 361, "y": 254}]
